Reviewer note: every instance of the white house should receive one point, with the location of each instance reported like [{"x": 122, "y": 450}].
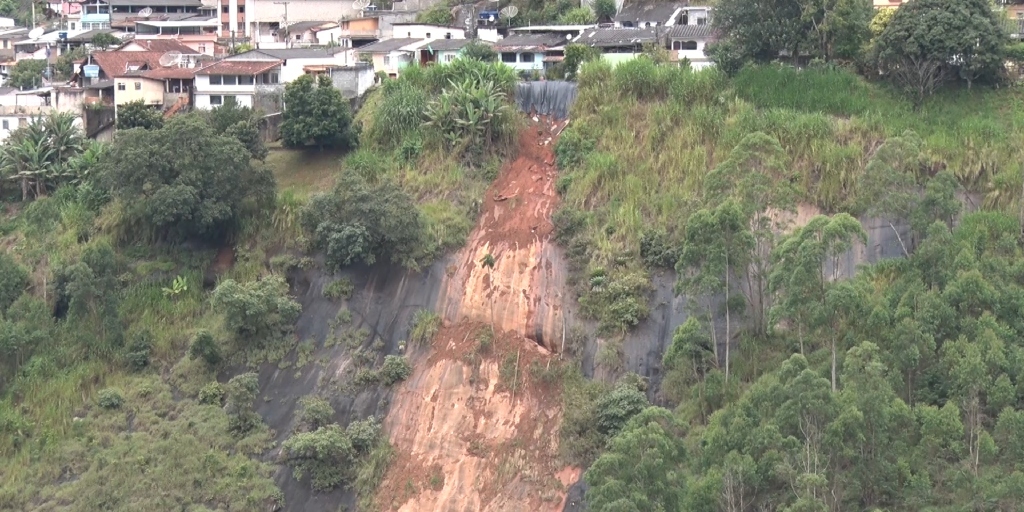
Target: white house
[
  {"x": 243, "y": 82},
  {"x": 424, "y": 31},
  {"x": 391, "y": 55},
  {"x": 526, "y": 52},
  {"x": 293, "y": 60},
  {"x": 688, "y": 42}
]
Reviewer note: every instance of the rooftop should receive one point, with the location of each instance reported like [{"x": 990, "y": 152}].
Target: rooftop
[
  {"x": 612, "y": 37},
  {"x": 531, "y": 42},
  {"x": 86, "y": 37},
  {"x": 288, "y": 53},
  {"x": 451, "y": 44},
  {"x": 238, "y": 67},
  {"x": 117, "y": 63},
  {"x": 552, "y": 28},
  {"x": 413, "y": 23},
  {"x": 161, "y": 45},
  {"x": 303, "y": 26},
  {"x": 388, "y": 45},
  {"x": 689, "y": 31},
  {"x": 156, "y": 3},
  {"x": 656, "y": 12}
]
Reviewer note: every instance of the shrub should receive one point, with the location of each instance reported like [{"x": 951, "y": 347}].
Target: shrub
[
  {"x": 325, "y": 454},
  {"x": 315, "y": 113},
  {"x": 657, "y": 250},
  {"x": 13, "y": 280},
  {"x": 137, "y": 356},
  {"x": 205, "y": 347},
  {"x": 364, "y": 435},
  {"x": 256, "y": 312},
  {"x": 240, "y": 392},
  {"x": 399, "y": 114},
  {"x": 110, "y": 399},
  {"x": 572, "y": 147},
  {"x": 211, "y": 394},
  {"x": 617, "y": 299},
  {"x": 395, "y": 369},
  {"x": 339, "y": 289},
  {"x": 315, "y": 412},
  {"x": 425, "y": 324},
  {"x": 616, "y": 408}
]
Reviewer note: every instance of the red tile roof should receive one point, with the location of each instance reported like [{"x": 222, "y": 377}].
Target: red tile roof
[
  {"x": 171, "y": 72},
  {"x": 116, "y": 63},
  {"x": 238, "y": 67}
]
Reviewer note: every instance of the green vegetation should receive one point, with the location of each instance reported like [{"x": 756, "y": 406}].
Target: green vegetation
[
  {"x": 27, "y": 73},
  {"x": 339, "y": 289},
  {"x": 316, "y": 114},
  {"x": 103, "y": 40},
  {"x": 331, "y": 455},
  {"x": 136, "y": 114}
]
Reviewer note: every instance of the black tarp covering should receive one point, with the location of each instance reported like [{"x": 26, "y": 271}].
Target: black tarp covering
[{"x": 546, "y": 98}]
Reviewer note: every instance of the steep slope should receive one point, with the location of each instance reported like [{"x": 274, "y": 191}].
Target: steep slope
[{"x": 475, "y": 427}]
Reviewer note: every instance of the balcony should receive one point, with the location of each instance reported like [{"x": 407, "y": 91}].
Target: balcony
[{"x": 359, "y": 34}]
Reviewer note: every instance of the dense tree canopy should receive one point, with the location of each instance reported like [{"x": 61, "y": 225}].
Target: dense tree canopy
[
  {"x": 27, "y": 73},
  {"x": 315, "y": 113},
  {"x": 136, "y": 114},
  {"x": 185, "y": 180}
]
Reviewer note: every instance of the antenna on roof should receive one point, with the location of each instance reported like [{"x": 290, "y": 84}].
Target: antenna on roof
[
  {"x": 209, "y": 4},
  {"x": 509, "y": 12},
  {"x": 36, "y": 32},
  {"x": 146, "y": 12},
  {"x": 359, "y": 5},
  {"x": 170, "y": 59}
]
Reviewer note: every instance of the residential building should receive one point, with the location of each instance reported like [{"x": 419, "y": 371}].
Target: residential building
[
  {"x": 391, "y": 55},
  {"x": 293, "y": 60},
  {"x": 303, "y": 33},
  {"x": 620, "y": 44},
  {"x": 156, "y": 45},
  {"x": 688, "y": 42},
  {"x": 7, "y": 38},
  {"x": 247, "y": 83},
  {"x": 353, "y": 81},
  {"x": 424, "y": 31},
  {"x": 264, "y": 17},
  {"x": 139, "y": 75},
  {"x": 95, "y": 14},
  {"x": 442, "y": 51},
  {"x": 527, "y": 52}
]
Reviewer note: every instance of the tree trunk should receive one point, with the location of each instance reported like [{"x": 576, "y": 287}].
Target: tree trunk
[
  {"x": 728, "y": 325},
  {"x": 833, "y": 361},
  {"x": 24, "y": 189}
]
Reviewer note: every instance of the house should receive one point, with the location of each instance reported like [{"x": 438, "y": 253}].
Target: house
[
  {"x": 353, "y": 81},
  {"x": 156, "y": 45},
  {"x": 125, "y": 13},
  {"x": 95, "y": 14},
  {"x": 293, "y": 60},
  {"x": 7, "y": 38},
  {"x": 303, "y": 33},
  {"x": 47, "y": 46},
  {"x": 18, "y": 108},
  {"x": 688, "y": 42},
  {"x": 352, "y": 33},
  {"x": 391, "y": 55},
  {"x": 140, "y": 75},
  {"x": 425, "y": 31},
  {"x": 527, "y": 52},
  {"x": 620, "y": 44},
  {"x": 443, "y": 51},
  {"x": 647, "y": 15},
  {"x": 263, "y": 17},
  {"x": 247, "y": 83}
]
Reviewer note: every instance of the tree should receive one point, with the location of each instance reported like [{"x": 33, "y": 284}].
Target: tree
[
  {"x": 839, "y": 27},
  {"x": 479, "y": 50},
  {"x": 316, "y": 113},
  {"x": 64, "y": 68},
  {"x": 241, "y": 123},
  {"x": 256, "y": 312},
  {"x": 240, "y": 392},
  {"x": 642, "y": 469},
  {"x": 575, "y": 55},
  {"x": 930, "y": 41},
  {"x": 577, "y": 16},
  {"x": 136, "y": 114},
  {"x": 364, "y": 222},
  {"x": 759, "y": 31},
  {"x": 185, "y": 181},
  {"x": 43, "y": 154},
  {"x": 439, "y": 14},
  {"x": 27, "y": 73},
  {"x": 104, "y": 40},
  {"x": 717, "y": 243},
  {"x": 13, "y": 280},
  {"x": 889, "y": 186},
  {"x": 605, "y": 10},
  {"x": 758, "y": 176}
]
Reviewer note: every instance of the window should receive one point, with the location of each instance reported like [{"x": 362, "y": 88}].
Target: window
[
  {"x": 690, "y": 45},
  {"x": 387, "y": 60},
  {"x": 224, "y": 9},
  {"x": 202, "y": 48},
  {"x": 526, "y": 57},
  {"x": 241, "y": 9},
  {"x": 246, "y": 80},
  {"x": 229, "y": 80},
  {"x": 120, "y": 86},
  {"x": 215, "y": 79},
  {"x": 138, "y": 86},
  {"x": 508, "y": 57},
  {"x": 428, "y": 35},
  {"x": 298, "y": 37},
  {"x": 449, "y": 57},
  {"x": 72, "y": 25},
  {"x": 702, "y": 21},
  {"x": 677, "y": 45},
  {"x": 7, "y": 125},
  {"x": 216, "y": 100},
  {"x": 448, "y": 35}
]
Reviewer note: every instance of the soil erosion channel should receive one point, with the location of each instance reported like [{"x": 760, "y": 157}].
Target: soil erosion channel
[{"x": 475, "y": 427}]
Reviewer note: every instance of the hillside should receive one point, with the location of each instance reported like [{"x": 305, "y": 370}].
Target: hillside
[{"x": 640, "y": 306}]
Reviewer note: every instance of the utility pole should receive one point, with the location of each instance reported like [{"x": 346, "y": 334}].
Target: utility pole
[{"x": 287, "y": 36}]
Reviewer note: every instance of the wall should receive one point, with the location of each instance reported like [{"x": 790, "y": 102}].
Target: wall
[
  {"x": 270, "y": 127},
  {"x": 427, "y": 32},
  {"x": 151, "y": 93},
  {"x": 353, "y": 81},
  {"x": 536, "y": 65},
  {"x": 12, "y": 124},
  {"x": 202, "y": 101},
  {"x": 398, "y": 60}
]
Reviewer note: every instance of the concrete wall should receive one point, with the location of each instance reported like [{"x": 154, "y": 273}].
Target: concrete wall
[
  {"x": 427, "y": 32},
  {"x": 203, "y": 101},
  {"x": 353, "y": 81},
  {"x": 151, "y": 92}
]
